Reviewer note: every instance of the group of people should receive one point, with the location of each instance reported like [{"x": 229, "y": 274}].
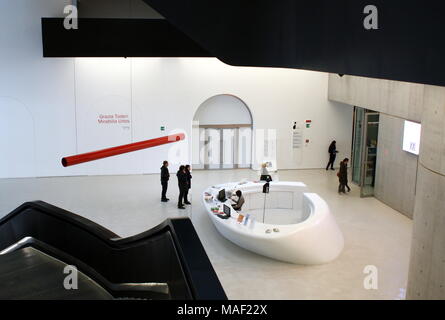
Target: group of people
[
  {"x": 185, "y": 178},
  {"x": 184, "y": 183},
  {"x": 343, "y": 172}
]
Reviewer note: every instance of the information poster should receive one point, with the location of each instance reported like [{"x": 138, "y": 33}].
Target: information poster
[{"x": 297, "y": 136}]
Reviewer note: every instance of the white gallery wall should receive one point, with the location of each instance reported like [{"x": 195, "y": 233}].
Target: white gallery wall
[{"x": 51, "y": 108}]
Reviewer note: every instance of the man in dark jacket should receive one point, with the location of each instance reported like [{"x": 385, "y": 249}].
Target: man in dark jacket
[
  {"x": 182, "y": 184},
  {"x": 165, "y": 176},
  {"x": 332, "y": 154},
  {"x": 189, "y": 183},
  {"x": 343, "y": 176}
]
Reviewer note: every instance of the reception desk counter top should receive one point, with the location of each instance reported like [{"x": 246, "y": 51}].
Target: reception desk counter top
[{"x": 314, "y": 239}]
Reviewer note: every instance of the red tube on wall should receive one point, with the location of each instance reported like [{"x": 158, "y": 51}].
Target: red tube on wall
[{"x": 114, "y": 151}]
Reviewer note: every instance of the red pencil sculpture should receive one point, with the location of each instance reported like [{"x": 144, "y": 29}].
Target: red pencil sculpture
[{"x": 114, "y": 151}]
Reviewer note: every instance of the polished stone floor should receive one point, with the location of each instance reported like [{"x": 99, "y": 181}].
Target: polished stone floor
[{"x": 374, "y": 233}]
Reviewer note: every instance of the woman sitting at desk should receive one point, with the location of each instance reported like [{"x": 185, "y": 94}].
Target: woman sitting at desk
[{"x": 239, "y": 202}]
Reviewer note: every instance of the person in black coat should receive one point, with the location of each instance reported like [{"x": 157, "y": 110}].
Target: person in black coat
[
  {"x": 165, "y": 176},
  {"x": 182, "y": 184},
  {"x": 332, "y": 154},
  {"x": 189, "y": 183},
  {"x": 343, "y": 176}
]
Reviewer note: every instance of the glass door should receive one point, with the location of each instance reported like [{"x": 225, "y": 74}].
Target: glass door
[
  {"x": 212, "y": 149},
  {"x": 244, "y": 147},
  {"x": 228, "y": 148},
  {"x": 369, "y": 154}
]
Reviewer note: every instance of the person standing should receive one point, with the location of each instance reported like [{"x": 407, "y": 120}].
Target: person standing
[
  {"x": 343, "y": 176},
  {"x": 182, "y": 184},
  {"x": 189, "y": 183},
  {"x": 332, "y": 154},
  {"x": 265, "y": 176},
  {"x": 165, "y": 176}
]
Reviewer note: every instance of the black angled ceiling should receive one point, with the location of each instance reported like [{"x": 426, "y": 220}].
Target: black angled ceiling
[{"x": 321, "y": 35}]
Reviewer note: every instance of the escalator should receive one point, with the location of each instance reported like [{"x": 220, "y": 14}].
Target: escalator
[{"x": 40, "y": 242}]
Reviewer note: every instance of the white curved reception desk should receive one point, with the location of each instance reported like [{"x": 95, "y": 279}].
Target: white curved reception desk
[{"x": 312, "y": 238}]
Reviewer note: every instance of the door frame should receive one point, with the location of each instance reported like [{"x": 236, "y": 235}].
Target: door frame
[
  {"x": 360, "y": 130},
  {"x": 235, "y": 152},
  {"x": 364, "y": 153}
]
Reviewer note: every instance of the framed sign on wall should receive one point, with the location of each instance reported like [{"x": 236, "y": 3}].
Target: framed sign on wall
[{"x": 411, "y": 137}]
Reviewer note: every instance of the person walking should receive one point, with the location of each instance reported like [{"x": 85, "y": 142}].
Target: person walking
[
  {"x": 189, "y": 183},
  {"x": 165, "y": 176},
  {"x": 182, "y": 184},
  {"x": 332, "y": 155},
  {"x": 343, "y": 176}
]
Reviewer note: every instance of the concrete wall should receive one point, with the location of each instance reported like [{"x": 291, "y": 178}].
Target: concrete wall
[
  {"x": 427, "y": 104},
  {"x": 400, "y": 99},
  {"x": 57, "y": 104},
  {"x": 396, "y": 170},
  {"x": 396, "y": 174},
  {"x": 427, "y": 265}
]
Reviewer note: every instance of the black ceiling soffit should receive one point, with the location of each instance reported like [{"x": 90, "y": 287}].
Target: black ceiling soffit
[
  {"x": 117, "y": 38},
  {"x": 320, "y": 35}
]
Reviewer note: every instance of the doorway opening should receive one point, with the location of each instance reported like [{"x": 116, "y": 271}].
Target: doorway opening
[
  {"x": 364, "y": 150},
  {"x": 222, "y": 134}
]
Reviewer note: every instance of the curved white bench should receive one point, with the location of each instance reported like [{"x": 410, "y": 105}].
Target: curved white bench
[{"x": 315, "y": 239}]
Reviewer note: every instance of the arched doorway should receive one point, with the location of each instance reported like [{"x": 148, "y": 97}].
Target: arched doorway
[{"x": 222, "y": 134}]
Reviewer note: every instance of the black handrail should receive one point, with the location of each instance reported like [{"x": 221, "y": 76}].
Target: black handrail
[{"x": 168, "y": 253}]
